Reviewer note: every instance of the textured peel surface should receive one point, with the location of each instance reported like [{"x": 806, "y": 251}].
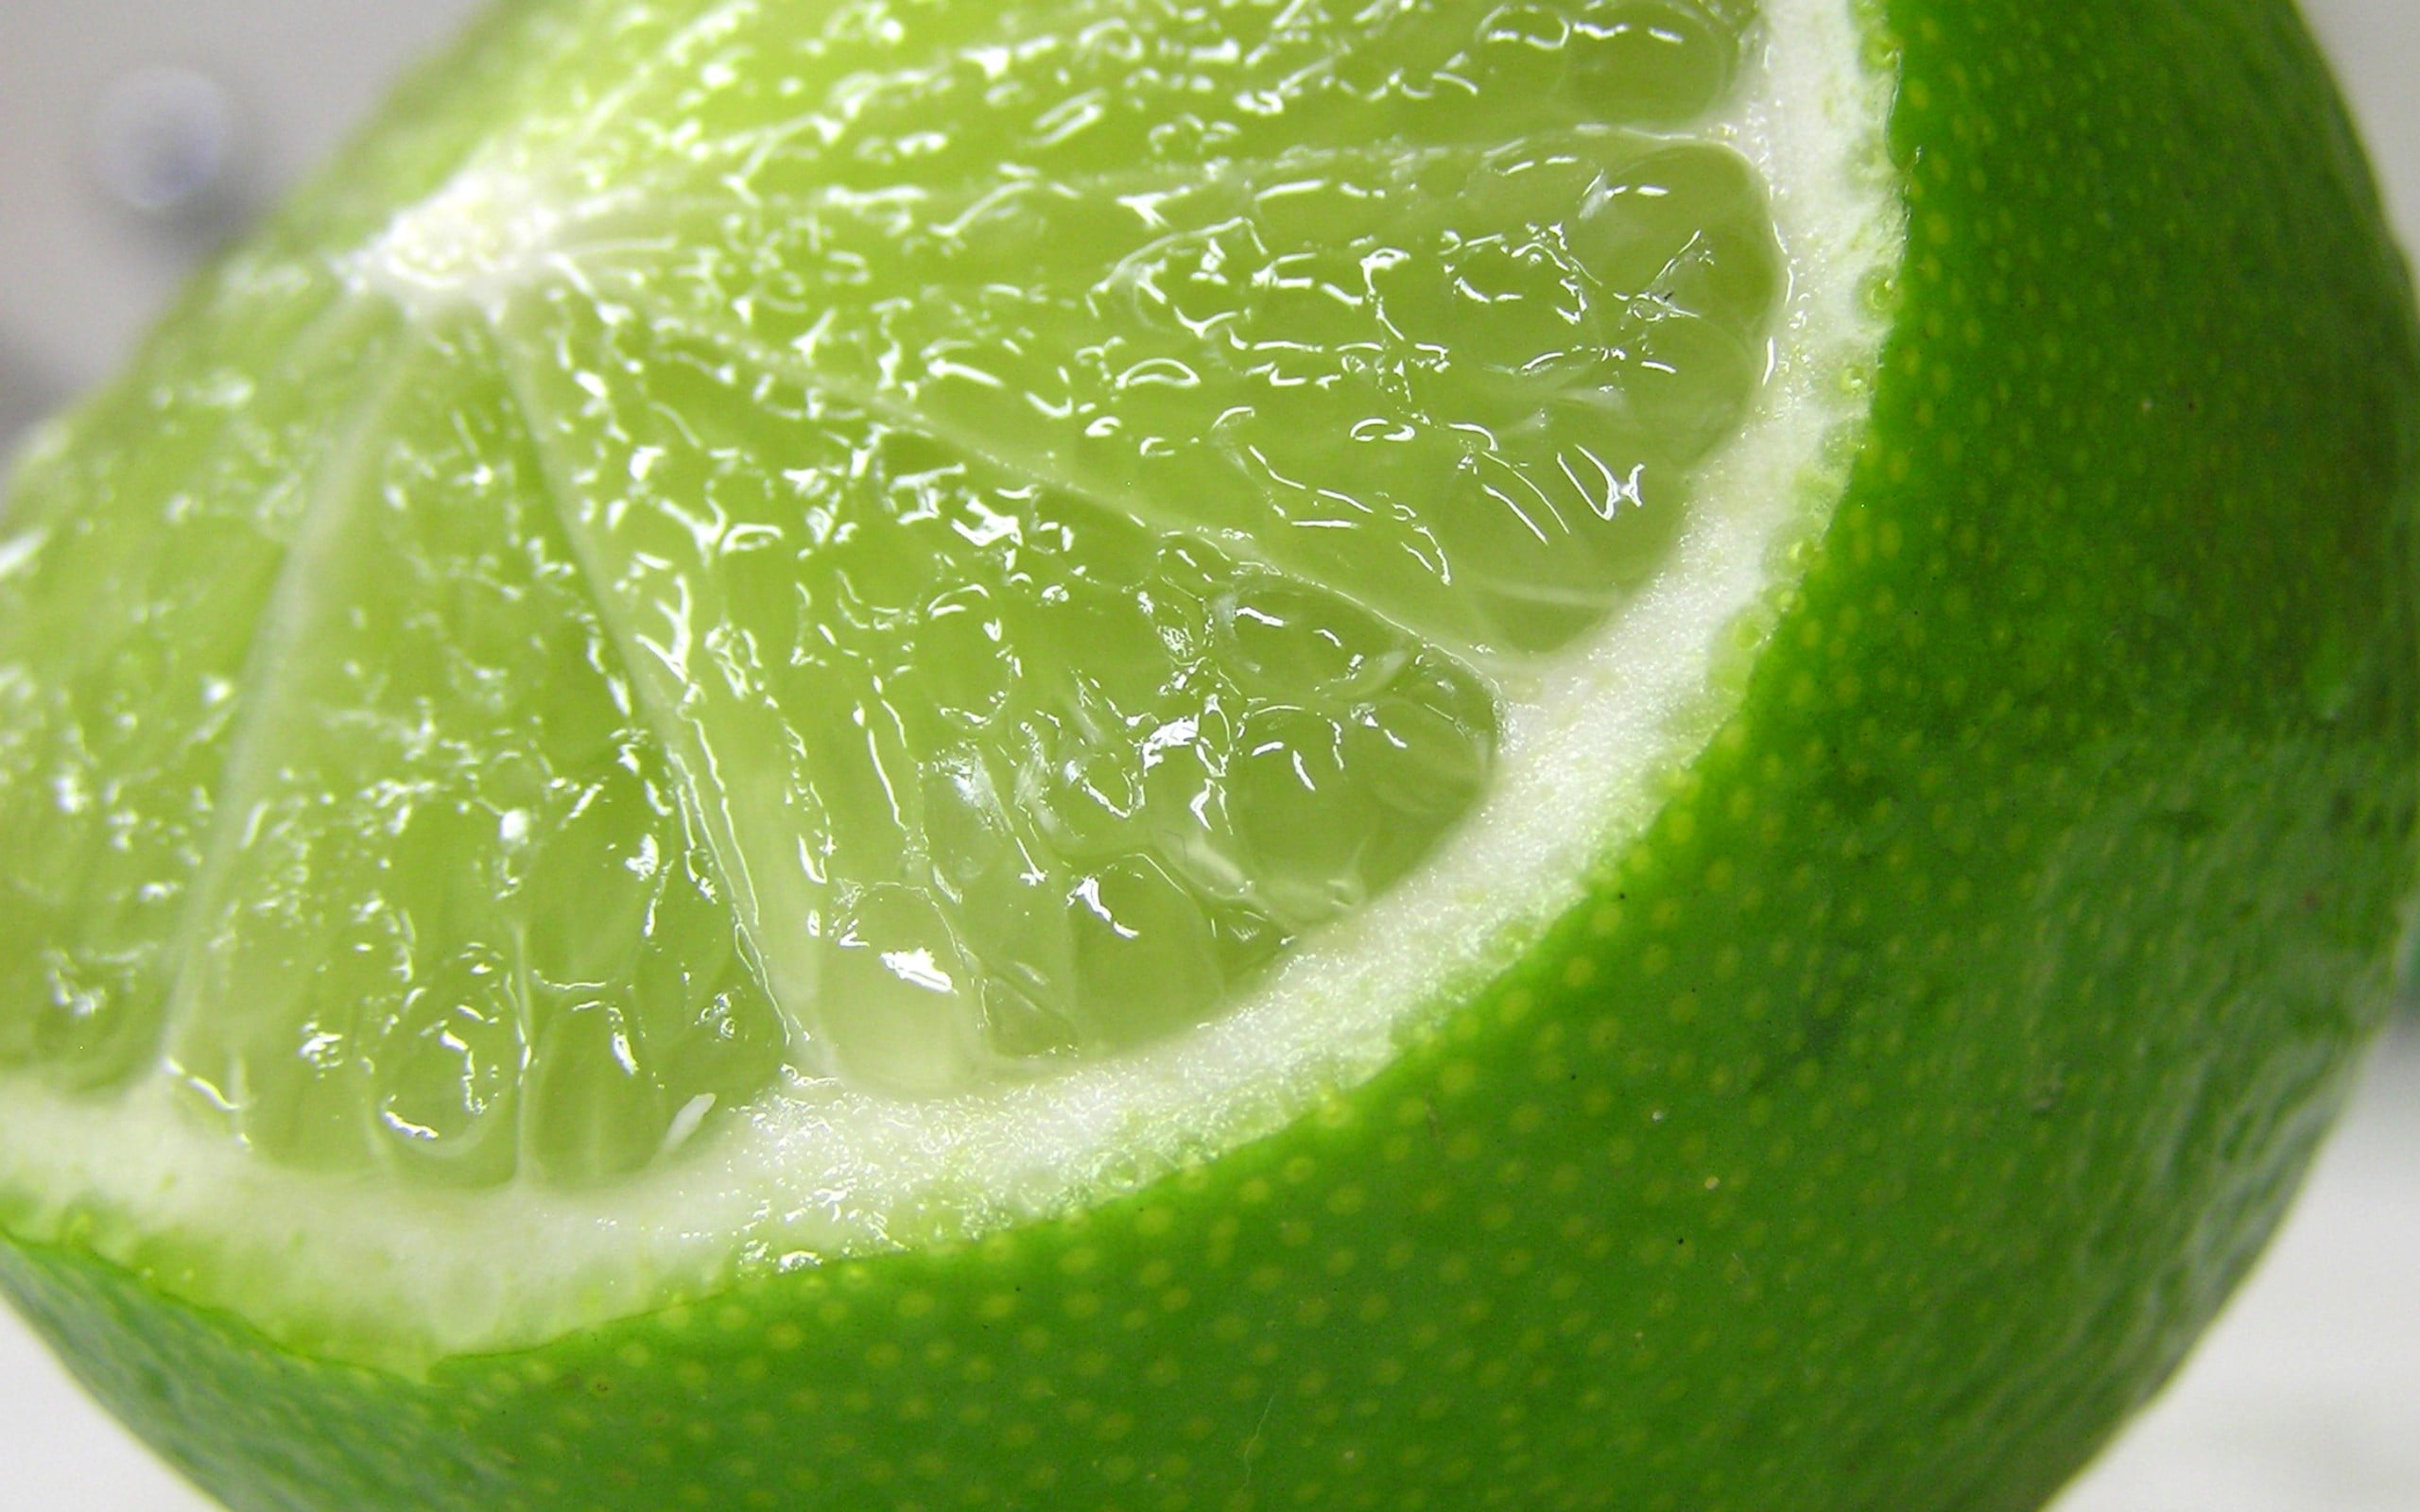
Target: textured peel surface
[{"x": 896, "y": 619}]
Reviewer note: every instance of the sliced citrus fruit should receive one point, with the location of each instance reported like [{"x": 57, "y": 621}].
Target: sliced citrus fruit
[
  {"x": 947, "y": 674},
  {"x": 982, "y": 618}
]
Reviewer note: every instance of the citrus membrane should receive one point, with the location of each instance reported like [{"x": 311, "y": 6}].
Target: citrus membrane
[{"x": 875, "y": 621}]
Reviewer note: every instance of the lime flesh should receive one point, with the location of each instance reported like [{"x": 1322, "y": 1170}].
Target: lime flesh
[
  {"x": 917, "y": 576},
  {"x": 1876, "y": 1127}
]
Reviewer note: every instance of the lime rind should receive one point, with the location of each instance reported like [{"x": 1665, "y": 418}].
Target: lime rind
[{"x": 814, "y": 1169}]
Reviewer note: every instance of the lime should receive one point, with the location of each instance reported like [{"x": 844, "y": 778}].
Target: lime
[{"x": 1637, "y": 753}]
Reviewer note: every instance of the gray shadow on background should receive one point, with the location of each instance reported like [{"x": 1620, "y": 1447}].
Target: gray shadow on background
[{"x": 27, "y": 395}]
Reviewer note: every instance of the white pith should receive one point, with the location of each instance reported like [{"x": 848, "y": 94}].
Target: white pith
[
  {"x": 483, "y": 235},
  {"x": 394, "y": 1274}
]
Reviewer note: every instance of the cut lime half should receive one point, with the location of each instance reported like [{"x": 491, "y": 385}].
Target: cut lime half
[{"x": 863, "y": 625}]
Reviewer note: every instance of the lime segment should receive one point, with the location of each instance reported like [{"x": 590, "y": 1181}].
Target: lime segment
[
  {"x": 460, "y": 859},
  {"x": 142, "y": 583}
]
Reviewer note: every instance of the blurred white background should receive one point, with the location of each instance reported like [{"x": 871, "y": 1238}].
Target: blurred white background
[{"x": 135, "y": 134}]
